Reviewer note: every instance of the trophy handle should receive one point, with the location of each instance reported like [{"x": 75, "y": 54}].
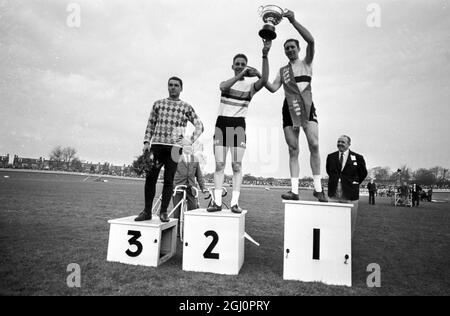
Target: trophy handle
[{"x": 260, "y": 10}]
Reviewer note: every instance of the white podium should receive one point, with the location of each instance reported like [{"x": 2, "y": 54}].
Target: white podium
[
  {"x": 317, "y": 242},
  {"x": 214, "y": 242},
  {"x": 148, "y": 243}
]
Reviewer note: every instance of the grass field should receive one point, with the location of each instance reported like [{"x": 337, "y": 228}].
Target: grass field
[{"x": 48, "y": 221}]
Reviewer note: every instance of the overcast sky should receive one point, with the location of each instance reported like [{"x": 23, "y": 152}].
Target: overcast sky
[{"x": 92, "y": 87}]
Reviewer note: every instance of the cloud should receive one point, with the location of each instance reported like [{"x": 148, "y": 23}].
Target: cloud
[{"x": 92, "y": 87}]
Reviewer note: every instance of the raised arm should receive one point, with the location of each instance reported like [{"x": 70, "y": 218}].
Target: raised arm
[
  {"x": 273, "y": 87},
  {"x": 265, "y": 66},
  {"x": 305, "y": 34}
]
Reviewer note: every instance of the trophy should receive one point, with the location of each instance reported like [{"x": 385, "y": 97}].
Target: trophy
[{"x": 271, "y": 15}]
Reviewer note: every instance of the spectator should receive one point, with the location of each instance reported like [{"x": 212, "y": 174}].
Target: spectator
[
  {"x": 372, "y": 187},
  {"x": 416, "y": 189}
]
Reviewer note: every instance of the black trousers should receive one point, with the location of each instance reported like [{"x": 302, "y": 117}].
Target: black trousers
[
  {"x": 372, "y": 198},
  {"x": 167, "y": 156},
  {"x": 415, "y": 199}
]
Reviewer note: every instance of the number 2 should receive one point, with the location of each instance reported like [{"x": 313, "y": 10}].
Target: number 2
[
  {"x": 208, "y": 253},
  {"x": 134, "y": 241}
]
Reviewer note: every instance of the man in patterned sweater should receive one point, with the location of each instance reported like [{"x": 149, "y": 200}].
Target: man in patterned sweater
[{"x": 165, "y": 132}]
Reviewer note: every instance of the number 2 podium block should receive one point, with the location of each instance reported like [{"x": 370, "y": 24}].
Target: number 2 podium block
[
  {"x": 317, "y": 242},
  {"x": 148, "y": 243},
  {"x": 214, "y": 242}
]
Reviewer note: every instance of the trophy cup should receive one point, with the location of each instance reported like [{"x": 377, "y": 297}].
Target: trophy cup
[{"x": 271, "y": 15}]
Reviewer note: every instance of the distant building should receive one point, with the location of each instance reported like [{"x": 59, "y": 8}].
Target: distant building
[
  {"x": 4, "y": 161},
  {"x": 28, "y": 163}
]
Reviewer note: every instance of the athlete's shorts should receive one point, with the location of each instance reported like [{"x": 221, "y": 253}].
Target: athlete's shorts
[
  {"x": 287, "y": 120},
  {"x": 230, "y": 132}
]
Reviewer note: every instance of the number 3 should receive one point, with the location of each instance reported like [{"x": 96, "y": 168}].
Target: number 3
[
  {"x": 208, "y": 253},
  {"x": 134, "y": 241}
]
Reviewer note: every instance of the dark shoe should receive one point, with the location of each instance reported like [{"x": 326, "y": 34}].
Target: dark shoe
[
  {"x": 236, "y": 209},
  {"x": 290, "y": 196},
  {"x": 320, "y": 196},
  {"x": 214, "y": 208},
  {"x": 144, "y": 216},
  {"x": 164, "y": 217}
]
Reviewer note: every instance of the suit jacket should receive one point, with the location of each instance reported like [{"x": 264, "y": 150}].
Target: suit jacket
[
  {"x": 417, "y": 191},
  {"x": 372, "y": 187},
  {"x": 351, "y": 176},
  {"x": 187, "y": 172}
]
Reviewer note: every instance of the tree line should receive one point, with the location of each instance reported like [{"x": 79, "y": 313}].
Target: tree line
[
  {"x": 65, "y": 158},
  {"x": 433, "y": 176}
]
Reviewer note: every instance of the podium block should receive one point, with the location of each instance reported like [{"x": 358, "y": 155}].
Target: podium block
[
  {"x": 214, "y": 242},
  {"x": 148, "y": 243},
  {"x": 317, "y": 242}
]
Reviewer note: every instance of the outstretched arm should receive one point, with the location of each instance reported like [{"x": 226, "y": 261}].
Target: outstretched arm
[
  {"x": 265, "y": 66},
  {"x": 305, "y": 34}
]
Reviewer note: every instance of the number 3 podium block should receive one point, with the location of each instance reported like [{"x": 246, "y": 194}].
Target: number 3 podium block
[
  {"x": 214, "y": 242},
  {"x": 148, "y": 243},
  {"x": 317, "y": 242}
]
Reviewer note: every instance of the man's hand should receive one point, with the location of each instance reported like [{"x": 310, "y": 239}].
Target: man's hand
[
  {"x": 252, "y": 72},
  {"x": 290, "y": 16},
  {"x": 185, "y": 142},
  {"x": 266, "y": 47}
]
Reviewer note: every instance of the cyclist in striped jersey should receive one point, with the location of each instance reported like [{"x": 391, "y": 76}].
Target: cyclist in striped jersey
[{"x": 236, "y": 94}]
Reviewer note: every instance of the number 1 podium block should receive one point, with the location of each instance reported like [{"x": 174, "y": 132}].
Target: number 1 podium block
[
  {"x": 317, "y": 242},
  {"x": 147, "y": 243},
  {"x": 214, "y": 242}
]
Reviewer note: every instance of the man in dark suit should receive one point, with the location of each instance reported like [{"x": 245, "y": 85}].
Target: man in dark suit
[
  {"x": 346, "y": 171},
  {"x": 372, "y": 187},
  {"x": 188, "y": 170},
  {"x": 416, "y": 190}
]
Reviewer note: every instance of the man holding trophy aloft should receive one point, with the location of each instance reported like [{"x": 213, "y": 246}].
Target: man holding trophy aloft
[{"x": 298, "y": 107}]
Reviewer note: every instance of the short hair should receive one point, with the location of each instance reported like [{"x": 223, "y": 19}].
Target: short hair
[
  {"x": 292, "y": 40},
  {"x": 348, "y": 138},
  {"x": 177, "y": 79},
  {"x": 240, "y": 56}
]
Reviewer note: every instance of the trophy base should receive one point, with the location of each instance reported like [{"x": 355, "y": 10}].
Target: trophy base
[{"x": 268, "y": 32}]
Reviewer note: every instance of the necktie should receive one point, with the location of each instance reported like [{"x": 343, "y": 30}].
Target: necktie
[{"x": 341, "y": 160}]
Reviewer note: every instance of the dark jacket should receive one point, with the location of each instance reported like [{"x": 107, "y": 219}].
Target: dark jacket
[
  {"x": 372, "y": 187},
  {"x": 351, "y": 176},
  {"x": 188, "y": 172}
]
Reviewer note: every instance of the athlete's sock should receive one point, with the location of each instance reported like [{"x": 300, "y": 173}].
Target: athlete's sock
[
  {"x": 218, "y": 197},
  {"x": 294, "y": 184},
  {"x": 235, "y": 198},
  {"x": 317, "y": 183}
]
